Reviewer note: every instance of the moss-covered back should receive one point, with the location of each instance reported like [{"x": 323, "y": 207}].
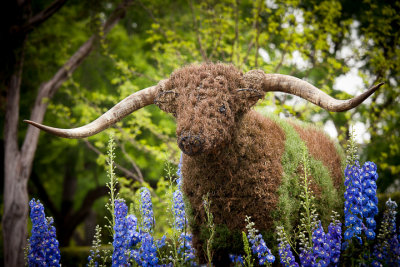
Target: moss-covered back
[{"x": 321, "y": 173}]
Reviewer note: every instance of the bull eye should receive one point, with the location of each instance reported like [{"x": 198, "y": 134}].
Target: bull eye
[{"x": 222, "y": 109}]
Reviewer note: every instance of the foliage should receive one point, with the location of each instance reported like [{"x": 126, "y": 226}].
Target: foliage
[
  {"x": 111, "y": 185},
  {"x": 94, "y": 256},
  {"x": 247, "y": 258}
]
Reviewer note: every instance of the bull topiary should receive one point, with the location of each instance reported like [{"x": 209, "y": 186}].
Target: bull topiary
[{"x": 249, "y": 164}]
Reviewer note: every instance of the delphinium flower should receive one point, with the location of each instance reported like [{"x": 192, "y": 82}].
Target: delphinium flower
[
  {"x": 133, "y": 234},
  {"x": 146, "y": 255},
  {"x": 37, "y": 240},
  {"x": 387, "y": 249},
  {"x": 286, "y": 255},
  {"x": 44, "y": 249},
  {"x": 121, "y": 235},
  {"x": 321, "y": 248},
  {"x": 258, "y": 245},
  {"x": 353, "y": 202},
  {"x": 52, "y": 251},
  {"x": 146, "y": 210},
  {"x": 284, "y": 248},
  {"x": 334, "y": 237},
  {"x": 179, "y": 211},
  {"x": 185, "y": 249},
  {"x": 236, "y": 259},
  {"x": 179, "y": 173},
  {"x": 353, "y": 193},
  {"x": 369, "y": 198}
]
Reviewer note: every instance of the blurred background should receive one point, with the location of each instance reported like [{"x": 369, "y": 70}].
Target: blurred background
[{"x": 67, "y": 62}]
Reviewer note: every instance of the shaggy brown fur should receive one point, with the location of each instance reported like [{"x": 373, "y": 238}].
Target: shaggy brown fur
[
  {"x": 230, "y": 152},
  {"x": 242, "y": 178},
  {"x": 322, "y": 148}
]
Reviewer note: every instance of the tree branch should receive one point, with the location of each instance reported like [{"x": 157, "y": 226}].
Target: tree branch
[
  {"x": 196, "y": 27},
  {"x": 127, "y": 172},
  {"x": 47, "y": 89},
  {"x": 44, "y": 197},
  {"x": 91, "y": 196},
  {"x": 40, "y": 17},
  {"x": 257, "y": 21},
  {"x": 130, "y": 159}
]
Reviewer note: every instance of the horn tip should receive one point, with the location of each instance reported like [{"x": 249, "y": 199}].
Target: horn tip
[
  {"x": 376, "y": 87},
  {"x": 30, "y": 122}
]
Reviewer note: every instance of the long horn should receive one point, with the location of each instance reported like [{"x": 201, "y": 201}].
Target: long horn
[
  {"x": 130, "y": 104},
  {"x": 303, "y": 89}
]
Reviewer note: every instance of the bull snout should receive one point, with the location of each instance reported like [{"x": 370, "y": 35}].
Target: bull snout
[{"x": 191, "y": 144}]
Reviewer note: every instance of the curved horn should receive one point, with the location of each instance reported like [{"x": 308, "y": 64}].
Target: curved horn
[
  {"x": 130, "y": 104},
  {"x": 303, "y": 89}
]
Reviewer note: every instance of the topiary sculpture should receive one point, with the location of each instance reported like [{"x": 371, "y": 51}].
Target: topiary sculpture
[{"x": 249, "y": 164}]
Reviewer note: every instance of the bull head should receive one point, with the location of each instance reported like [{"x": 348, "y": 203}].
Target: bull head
[{"x": 207, "y": 100}]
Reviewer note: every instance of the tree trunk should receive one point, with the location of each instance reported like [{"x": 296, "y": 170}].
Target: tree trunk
[{"x": 16, "y": 175}]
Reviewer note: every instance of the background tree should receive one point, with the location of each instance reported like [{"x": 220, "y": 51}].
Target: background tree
[{"x": 18, "y": 161}]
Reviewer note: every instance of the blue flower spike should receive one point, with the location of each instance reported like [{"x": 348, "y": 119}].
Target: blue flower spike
[
  {"x": 146, "y": 209},
  {"x": 353, "y": 202},
  {"x": 369, "y": 198},
  {"x": 121, "y": 234},
  {"x": 44, "y": 249}
]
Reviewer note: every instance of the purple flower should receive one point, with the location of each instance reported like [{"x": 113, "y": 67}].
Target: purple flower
[
  {"x": 186, "y": 249},
  {"x": 146, "y": 255},
  {"x": 179, "y": 211},
  {"x": 236, "y": 259},
  {"x": 334, "y": 239},
  {"x": 286, "y": 255},
  {"x": 121, "y": 234},
  {"x": 353, "y": 202},
  {"x": 387, "y": 249},
  {"x": 44, "y": 249},
  {"x": 133, "y": 234},
  {"x": 321, "y": 248},
  {"x": 52, "y": 251},
  {"x": 38, "y": 238},
  {"x": 146, "y": 209},
  {"x": 259, "y": 248},
  {"x": 179, "y": 173},
  {"x": 369, "y": 199}
]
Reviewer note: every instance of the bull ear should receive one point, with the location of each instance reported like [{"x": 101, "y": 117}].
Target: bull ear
[
  {"x": 248, "y": 96},
  {"x": 166, "y": 101}
]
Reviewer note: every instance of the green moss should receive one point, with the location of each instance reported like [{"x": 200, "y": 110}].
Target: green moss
[
  {"x": 287, "y": 213},
  {"x": 289, "y": 202}
]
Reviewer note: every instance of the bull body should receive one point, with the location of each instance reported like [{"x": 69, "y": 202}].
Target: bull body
[{"x": 236, "y": 156}]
